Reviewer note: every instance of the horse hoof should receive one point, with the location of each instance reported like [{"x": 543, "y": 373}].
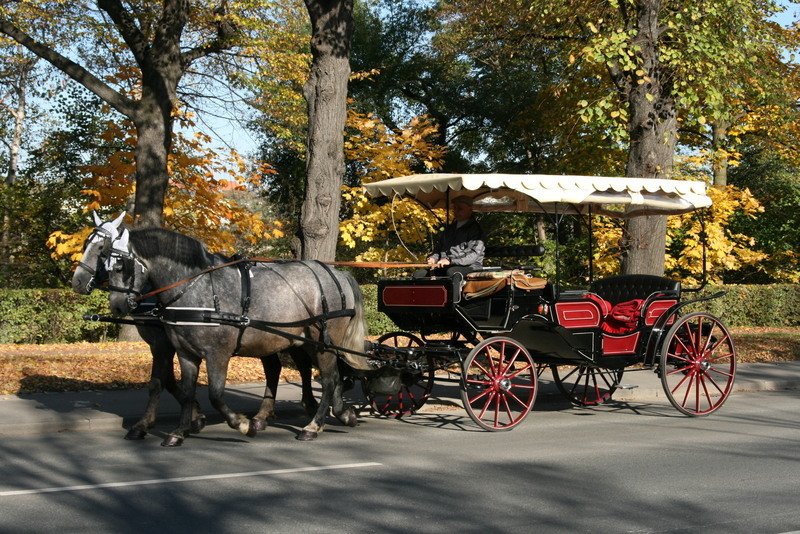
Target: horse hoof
[
  {"x": 252, "y": 431},
  {"x": 247, "y": 428},
  {"x": 198, "y": 425},
  {"x": 307, "y": 435},
  {"x": 172, "y": 441},
  {"x": 136, "y": 434},
  {"x": 259, "y": 425},
  {"x": 351, "y": 418}
]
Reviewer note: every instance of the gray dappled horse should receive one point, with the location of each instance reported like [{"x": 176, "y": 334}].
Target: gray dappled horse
[
  {"x": 91, "y": 271},
  {"x": 317, "y": 309}
]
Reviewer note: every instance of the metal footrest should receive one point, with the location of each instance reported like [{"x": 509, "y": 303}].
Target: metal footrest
[{"x": 628, "y": 386}]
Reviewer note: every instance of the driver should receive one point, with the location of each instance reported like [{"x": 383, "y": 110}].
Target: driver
[{"x": 460, "y": 248}]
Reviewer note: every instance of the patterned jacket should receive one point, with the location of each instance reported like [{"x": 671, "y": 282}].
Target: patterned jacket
[{"x": 462, "y": 246}]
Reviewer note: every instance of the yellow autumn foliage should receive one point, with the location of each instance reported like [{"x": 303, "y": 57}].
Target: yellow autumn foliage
[
  {"x": 391, "y": 231},
  {"x": 198, "y": 202},
  {"x": 725, "y": 249}
]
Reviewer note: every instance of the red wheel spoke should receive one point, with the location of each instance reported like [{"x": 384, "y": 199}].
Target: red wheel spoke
[
  {"x": 679, "y": 370},
  {"x": 714, "y": 383},
  {"x": 679, "y": 384},
  {"x": 508, "y": 410},
  {"x": 723, "y": 373},
  {"x": 480, "y": 395},
  {"x": 519, "y": 372},
  {"x": 705, "y": 390},
  {"x": 698, "y": 337},
  {"x": 486, "y": 405},
  {"x": 688, "y": 388},
  {"x": 517, "y": 399},
  {"x": 508, "y": 380}
]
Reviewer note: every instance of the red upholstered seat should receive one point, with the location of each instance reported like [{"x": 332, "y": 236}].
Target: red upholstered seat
[
  {"x": 605, "y": 306},
  {"x": 623, "y": 317}
]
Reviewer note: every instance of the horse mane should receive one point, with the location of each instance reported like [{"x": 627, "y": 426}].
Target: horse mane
[{"x": 160, "y": 242}]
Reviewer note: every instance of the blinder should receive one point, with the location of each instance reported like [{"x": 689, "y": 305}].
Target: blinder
[{"x": 111, "y": 258}]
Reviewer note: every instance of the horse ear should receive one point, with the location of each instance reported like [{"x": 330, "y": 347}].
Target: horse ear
[
  {"x": 118, "y": 221},
  {"x": 97, "y": 220},
  {"x": 121, "y": 243}
]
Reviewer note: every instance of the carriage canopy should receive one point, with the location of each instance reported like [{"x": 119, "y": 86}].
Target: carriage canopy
[{"x": 617, "y": 197}]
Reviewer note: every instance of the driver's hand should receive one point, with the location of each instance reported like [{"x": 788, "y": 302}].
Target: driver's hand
[
  {"x": 431, "y": 260},
  {"x": 444, "y": 262}
]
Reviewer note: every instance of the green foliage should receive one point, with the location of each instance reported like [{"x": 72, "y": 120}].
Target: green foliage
[
  {"x": 775, "y": 183},
  {"x": 46, "y": 194},
  {"x": 753, "y": 305},
  {"x": 377, "y": 322},
  {"x": 51, "y": 316}
]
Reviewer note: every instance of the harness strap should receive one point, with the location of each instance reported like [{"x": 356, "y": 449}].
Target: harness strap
[{"x": 244, "y": 272}]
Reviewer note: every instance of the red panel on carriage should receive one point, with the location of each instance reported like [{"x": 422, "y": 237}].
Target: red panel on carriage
[
  {"x": 578, "y": 314},
  {"x": 656, "y": 309},
  {"x": 613, "y": 345},
  {"x": 429, "y": 296}
]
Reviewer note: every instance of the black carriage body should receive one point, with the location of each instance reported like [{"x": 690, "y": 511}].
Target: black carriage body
[
  {"x": 438, "y": 305},
  {"x": 567, "y": 328}
]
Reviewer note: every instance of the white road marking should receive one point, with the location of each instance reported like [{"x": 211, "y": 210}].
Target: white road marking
[{"x": 185, "y": 479}]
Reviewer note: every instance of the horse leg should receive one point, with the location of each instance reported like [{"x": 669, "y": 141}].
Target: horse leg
[
  {"x": 331, "y": 388},
  {"x": 171, "y": 385},
  {"x": 302, "y": 361},
  {"x": 217, "y": 367},
  {"x": 341, "y": 410},
  {"x": 162, "y": 365},
  {"x": 190, "y": 366},
  {"x": 272, "y": 372},
  {"x": 162, "y": 376}
]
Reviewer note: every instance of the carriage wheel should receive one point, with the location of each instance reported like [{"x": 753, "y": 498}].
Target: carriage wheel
[
  {"x": 698, "y": 364},
  {"x": 498, "y": 386},
  {"x": 415, "y": 386},
  {"x": 584, "y": 385}
]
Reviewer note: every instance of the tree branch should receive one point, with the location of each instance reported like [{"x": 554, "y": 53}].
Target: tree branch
[
  {"x": 78, "y": 73},
  {"x": 127, "y": 28}
]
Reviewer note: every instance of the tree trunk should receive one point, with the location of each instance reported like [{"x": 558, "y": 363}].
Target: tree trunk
[
  {"x": 19, "y": 113},
  {"x": 653, "y": 133},
  {"x": 719, "y": 141},
  {"x": 154, "y": 133},
  {"x": 326, "y": 95}
]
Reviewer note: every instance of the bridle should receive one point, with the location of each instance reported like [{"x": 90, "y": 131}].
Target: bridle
[{"x": 107, "y": 260}]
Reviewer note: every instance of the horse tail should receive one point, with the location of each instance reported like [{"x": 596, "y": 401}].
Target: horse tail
[{"x": 356, "y": 332}]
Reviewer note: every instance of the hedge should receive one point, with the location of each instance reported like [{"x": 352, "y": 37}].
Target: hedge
[
  {"x": 52, "y": 316},
  {"x": 55, "y": 315}
]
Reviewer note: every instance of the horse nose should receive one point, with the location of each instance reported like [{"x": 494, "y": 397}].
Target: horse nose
[{"x": 80, "y": 285}]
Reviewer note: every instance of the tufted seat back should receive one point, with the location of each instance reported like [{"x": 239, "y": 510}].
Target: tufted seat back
[{"x": 626, "y": 287}]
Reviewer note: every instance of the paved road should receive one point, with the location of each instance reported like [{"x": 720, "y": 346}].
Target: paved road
[{"x": 637, "y": 467}]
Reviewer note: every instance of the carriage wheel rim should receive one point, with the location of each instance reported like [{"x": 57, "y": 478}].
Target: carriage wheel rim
[
  {"x": 698, "y": 364},
  {"x": 499, "y": 384}
]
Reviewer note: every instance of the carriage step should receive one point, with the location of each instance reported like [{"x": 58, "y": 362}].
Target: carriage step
[{"x": 628, "y": 386}]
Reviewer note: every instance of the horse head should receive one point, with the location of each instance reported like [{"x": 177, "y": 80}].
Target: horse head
[
  {"x": 127, "y": 275},
  {"x": 96, "y": 250}
]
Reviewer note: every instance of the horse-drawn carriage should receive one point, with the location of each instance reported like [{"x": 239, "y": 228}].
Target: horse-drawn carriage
[
  {"x": 504, "y": 327},
  {"x": 493, "y": 332}
]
